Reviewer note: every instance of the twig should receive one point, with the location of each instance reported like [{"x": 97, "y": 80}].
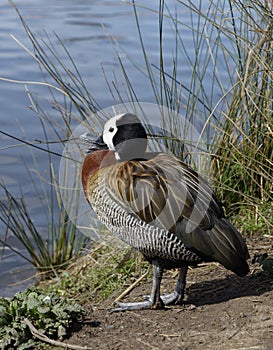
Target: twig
[
  {"x": 147, "y": 344},
  {"x": 131, "y": 287},
  {"x": 34, "y": 331}
]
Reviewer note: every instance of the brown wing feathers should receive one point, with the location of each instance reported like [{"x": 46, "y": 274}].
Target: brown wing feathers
[
  {"x": 163, "y": 191},
  {"x": 164, "y": 188}
]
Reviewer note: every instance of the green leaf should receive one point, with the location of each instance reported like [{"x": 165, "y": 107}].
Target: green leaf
[
  {"x": 43, "y": 309},
  {"x": 61, "y": 332},
  {"x": 32, "y": 301}
]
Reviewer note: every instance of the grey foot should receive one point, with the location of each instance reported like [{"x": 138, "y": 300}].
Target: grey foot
[
  {"x": 132, "y": 306},
  {"x": 143, "y": 305},
  {"x": 165, "y": 300},
  {"x": 172, "y": 299},
  {"x": 169, "y": 299}
]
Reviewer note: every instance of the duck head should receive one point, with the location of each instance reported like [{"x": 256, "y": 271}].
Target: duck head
[{"x": 125, "y": 135}]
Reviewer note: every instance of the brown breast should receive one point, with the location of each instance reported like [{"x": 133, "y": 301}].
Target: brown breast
[{"x": 93, "y": 162}]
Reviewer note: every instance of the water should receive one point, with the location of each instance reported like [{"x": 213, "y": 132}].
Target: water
[{"x": 88, "y": 29}]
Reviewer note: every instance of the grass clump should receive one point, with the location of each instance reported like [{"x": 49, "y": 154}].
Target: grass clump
[
  {"x": 243, "y": 163},
  {"x": 47, "y": 255},
  {"x": 51, "y": 315}
]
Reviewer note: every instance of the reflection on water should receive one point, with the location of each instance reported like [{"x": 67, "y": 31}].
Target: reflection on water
[{"x": 88, "y": 29}]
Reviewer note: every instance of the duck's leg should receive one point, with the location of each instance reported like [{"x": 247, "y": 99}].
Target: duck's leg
[
  {"x": 178, "y": 295},
  {"x": 154, "y": 301}
]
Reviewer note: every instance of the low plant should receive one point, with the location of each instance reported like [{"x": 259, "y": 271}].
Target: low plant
[{"x": 51, "y": 315}]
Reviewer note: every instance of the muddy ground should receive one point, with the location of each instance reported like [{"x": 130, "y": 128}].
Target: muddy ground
[{"x": 222, "y": 311}]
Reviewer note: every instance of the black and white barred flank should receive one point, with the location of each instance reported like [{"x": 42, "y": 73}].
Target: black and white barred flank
[{"x": 151, "y": 241}]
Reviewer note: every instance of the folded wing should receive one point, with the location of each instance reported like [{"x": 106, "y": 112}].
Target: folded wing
[{"x": 165, "y": 192}]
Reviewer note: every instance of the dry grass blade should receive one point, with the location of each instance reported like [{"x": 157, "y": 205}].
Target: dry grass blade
[{"x": 131, "y": 287}]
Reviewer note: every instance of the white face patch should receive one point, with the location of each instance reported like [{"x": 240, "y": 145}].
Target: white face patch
[{"x": 109, "y": 131}]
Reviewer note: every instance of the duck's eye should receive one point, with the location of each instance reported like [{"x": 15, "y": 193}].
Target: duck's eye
[{"x": 111, "y": 129}]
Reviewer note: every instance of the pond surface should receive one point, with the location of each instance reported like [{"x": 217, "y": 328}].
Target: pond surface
[{"x": 91, "y": 31}]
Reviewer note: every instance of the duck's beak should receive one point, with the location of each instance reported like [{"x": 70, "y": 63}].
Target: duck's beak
[{"x": 95, "y": 145}]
